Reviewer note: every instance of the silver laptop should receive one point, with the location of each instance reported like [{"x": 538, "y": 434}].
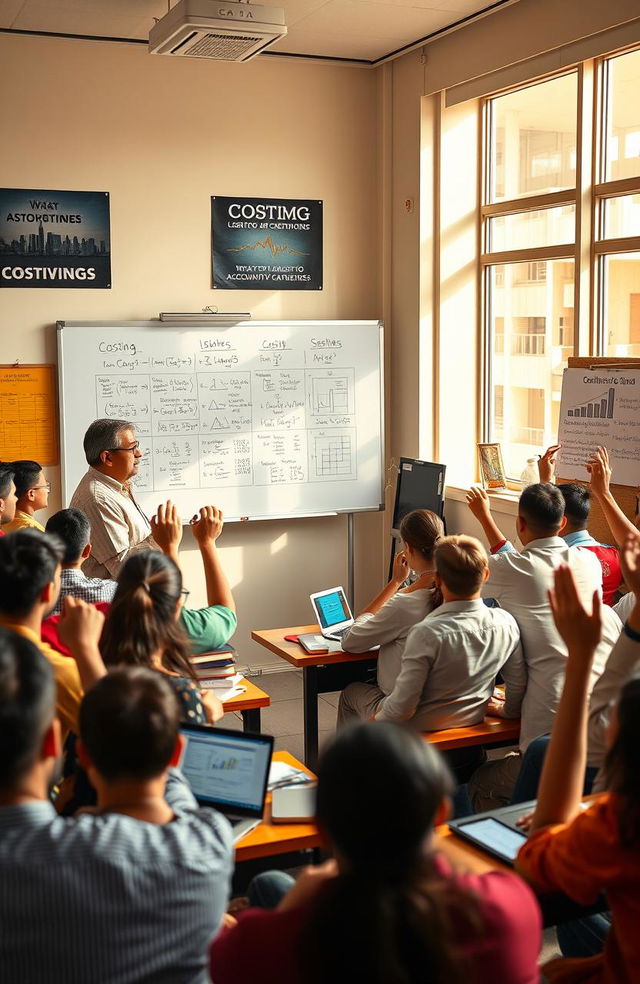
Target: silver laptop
[
  {"x": 332, "y": 612},
  {"x": 228, "y": 770}
]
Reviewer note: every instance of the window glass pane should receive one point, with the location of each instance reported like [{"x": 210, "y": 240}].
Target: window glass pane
[
  {"x": 623, "y": 117},
  {"x": 622, "y": 304},
  {"x": 525, "y": 230},
  {"x": 530, "y": 311},
  {"x": 533, "y": 139},
  {"x": 621, "y": 216}
]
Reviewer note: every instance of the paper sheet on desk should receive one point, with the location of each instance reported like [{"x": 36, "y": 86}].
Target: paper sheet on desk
[{"x": 600, "y": 406}]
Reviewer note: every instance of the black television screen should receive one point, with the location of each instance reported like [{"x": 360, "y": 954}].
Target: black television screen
[{"x": 420, "y": 486}]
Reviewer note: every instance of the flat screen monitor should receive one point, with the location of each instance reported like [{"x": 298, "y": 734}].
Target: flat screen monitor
[{"x": 420, "y": 486}]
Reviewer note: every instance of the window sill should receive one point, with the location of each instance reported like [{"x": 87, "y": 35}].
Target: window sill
[{"x": 503, "y": 500}]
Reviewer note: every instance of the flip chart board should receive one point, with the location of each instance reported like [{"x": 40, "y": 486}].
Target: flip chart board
[
  {"x": 263, "y": 419},
  {"x": 600, "y": 406},
  {"x": 28, "y": 414}
]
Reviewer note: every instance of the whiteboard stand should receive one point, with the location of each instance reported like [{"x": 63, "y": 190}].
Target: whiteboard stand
[{"x": 350, "y": 561}]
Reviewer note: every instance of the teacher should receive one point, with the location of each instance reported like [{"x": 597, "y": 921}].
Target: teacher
[{"x": 118, "y": 525}]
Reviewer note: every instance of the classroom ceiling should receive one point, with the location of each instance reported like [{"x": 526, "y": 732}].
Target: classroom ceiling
[{"x": 365, "y": 30}]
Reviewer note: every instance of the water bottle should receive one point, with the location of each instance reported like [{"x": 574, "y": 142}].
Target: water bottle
[{"x": 530, "y": 474}]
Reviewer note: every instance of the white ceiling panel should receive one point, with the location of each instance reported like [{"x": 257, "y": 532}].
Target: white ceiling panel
[{"x": 362, "y": 29}]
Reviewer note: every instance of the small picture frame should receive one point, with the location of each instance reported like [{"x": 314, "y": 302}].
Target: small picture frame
[{"x": 491, "y": 466}]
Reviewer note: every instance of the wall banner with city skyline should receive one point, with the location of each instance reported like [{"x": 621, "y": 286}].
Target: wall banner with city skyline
[
  {"x": 266, "y": 243},
  {"x": 54, "y": 238}
]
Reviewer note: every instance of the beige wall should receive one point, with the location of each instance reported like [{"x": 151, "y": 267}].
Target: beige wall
[{"x": 161, "y": 136}]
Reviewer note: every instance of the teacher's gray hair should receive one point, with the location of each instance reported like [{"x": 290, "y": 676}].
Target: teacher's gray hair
[{"x": 101, "y": 435}]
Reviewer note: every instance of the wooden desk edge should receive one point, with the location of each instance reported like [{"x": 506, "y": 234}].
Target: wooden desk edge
[{"x": 274, "y": 640}]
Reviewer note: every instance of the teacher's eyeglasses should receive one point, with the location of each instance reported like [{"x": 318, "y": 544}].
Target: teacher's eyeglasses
[{"x": 134, "y": 447}]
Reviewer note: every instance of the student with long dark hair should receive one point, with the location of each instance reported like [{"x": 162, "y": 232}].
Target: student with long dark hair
[
  {"x": 387, "y": 620},
  {"x": 389, "y": 910},
  {"x": 584, "y": 852},
  {"x": 143, "y": 629}
]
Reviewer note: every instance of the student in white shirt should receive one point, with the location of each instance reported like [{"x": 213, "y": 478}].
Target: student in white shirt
[
  {"x": 520, "y": 583},
  {"x": 452, "y": 657},
  {"x": 387, "y": 620}
]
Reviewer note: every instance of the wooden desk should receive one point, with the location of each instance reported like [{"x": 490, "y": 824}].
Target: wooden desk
[
  {"x": 321, "y": 673},
  {"x": 493, "y": 731},
  {"x": 278, "y": 838},
  {"x": 248, "y": 704}
]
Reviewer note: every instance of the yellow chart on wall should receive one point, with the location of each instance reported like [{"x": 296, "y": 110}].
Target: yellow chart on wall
[{"x": 29, "y": 414}]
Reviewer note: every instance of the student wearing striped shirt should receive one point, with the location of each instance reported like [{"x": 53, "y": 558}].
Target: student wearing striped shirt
[{"x": 133, "y": 892}]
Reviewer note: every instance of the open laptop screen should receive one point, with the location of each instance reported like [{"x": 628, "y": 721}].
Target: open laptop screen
[
  {"x": 332, "y": 608},
  {"x": 228, "y": 769}
]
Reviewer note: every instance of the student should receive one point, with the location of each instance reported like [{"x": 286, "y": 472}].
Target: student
[
  {"x": 577, "y": 507},
  {"x": 143, "y": 629},
  {"x": 520, "y": 583},
  {"x": 389, "y": 909},
  {"x": 30, "y": 575},
  {"x": 8, "y": 498},
  {"x": 208, "y": 628},
  {"x": 583, "y": 852},
  {"x": 387, "y": 620},
  {"x": 452, "y": 657},
  {"x": 32, "y": 491},
  {"x": 104, "y": 494},
  {"x": 131, "y": 893},
  {"x": 575, "y": 534},
  {"x": 73, "y": 529}
]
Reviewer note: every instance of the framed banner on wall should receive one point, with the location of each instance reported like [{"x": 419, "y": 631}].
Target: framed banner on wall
[
  {"x": 54, "y": 239},
  {"x": 266, "y": 243}
]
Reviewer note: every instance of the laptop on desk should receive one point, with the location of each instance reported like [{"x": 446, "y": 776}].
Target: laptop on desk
[
  {"x": 332, "y": 612},
  {"x": 229, "y": 771}
]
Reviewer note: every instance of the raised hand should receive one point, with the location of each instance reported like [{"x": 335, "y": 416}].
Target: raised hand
[
  {"x": 166, "y": 527},
  {"x": 478, "y": 502},
  {"x": 600, "y": 470},
  {"x": 207, "y": 527},
  {"x": 630, "y": 563},
  {"x": 547, "y": 463}
]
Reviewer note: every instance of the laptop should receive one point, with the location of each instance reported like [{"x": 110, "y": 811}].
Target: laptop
[
  {"x": 332, "y": 612},
  {"x": 228, "y": 770}
]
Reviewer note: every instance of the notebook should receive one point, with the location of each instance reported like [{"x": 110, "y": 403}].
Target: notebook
[
  {"x": 229, "y": 771},
  {"x": 332, "y": 612}
]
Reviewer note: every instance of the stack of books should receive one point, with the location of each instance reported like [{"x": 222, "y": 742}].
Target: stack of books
[{"x": 217, "y": 670}]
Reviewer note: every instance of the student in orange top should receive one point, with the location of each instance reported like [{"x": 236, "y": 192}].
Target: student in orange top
[{"x": 581, "y": 852}]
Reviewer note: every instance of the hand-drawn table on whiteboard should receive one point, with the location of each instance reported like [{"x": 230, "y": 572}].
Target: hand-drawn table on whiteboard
[{"x": 263, "y": 419}]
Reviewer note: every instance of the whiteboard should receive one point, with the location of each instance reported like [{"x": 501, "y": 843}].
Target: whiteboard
[
  {"x": 600, "y": 405},
  {"x": 262, "y": 419}
]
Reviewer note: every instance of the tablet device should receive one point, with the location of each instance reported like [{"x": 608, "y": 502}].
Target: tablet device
[{"x": 490, "y": 834}]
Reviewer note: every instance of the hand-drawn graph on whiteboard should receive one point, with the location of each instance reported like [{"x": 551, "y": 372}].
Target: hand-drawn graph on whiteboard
[{"x": 333, "y": 456}]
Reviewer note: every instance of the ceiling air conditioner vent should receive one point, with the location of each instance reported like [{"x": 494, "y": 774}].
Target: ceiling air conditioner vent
[{"x": 232, "y": 32}]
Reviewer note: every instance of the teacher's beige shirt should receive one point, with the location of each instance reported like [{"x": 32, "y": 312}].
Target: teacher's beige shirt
[{"x": 118, "y": 525}]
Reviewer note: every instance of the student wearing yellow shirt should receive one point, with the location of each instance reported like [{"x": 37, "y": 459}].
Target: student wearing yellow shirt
[
  {"x": 32, "y": 490},
  {"x": 30, "y": 575}
]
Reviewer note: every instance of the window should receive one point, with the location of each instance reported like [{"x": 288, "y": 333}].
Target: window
[{"x": 529, "y": 234}]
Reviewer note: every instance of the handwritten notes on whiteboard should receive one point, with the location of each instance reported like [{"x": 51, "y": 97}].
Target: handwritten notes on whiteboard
[
  {"x": 28, "y": 414},
  {"x": 600, "y": 407},
  {"x": 263, "y": 419}
]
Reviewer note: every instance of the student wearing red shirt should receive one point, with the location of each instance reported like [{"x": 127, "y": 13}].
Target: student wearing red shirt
[
  {"x": 577, "y": 506},
  {"x": 389, "y": 908},
  {"x": 583, "y": 852}
]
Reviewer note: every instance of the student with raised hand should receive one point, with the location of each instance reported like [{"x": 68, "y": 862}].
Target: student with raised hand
[
  {"x": 387, "y": 620},
  {"x": 135, "y": 890},
  {"x": 143, "y": 629},
  {"x": 208, "y": 628},
  {"x": 389, "y": 909},
  {"x": 30, "y": 575},
  {"x": 583, "y": 852},
  {"x": 8, "y": 498},
  {"x": 32, "y": 491},
  {"x": 520, "y": 583}
]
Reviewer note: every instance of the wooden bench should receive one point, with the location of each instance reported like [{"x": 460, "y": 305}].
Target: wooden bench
[{"x": 493, "y": 731}]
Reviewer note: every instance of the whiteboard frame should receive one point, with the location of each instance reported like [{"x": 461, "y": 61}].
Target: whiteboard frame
[{"x": 221, "y": 322}]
